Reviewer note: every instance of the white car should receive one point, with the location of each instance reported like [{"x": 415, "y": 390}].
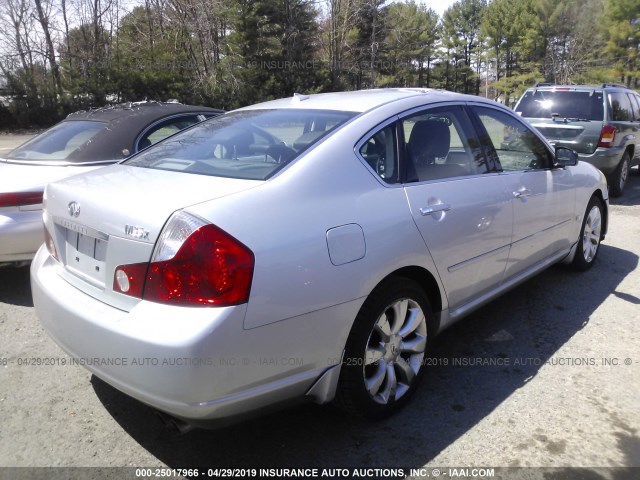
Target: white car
[
  {"x": 84, "y": 141},
  {"x": 308, "y": 248}
]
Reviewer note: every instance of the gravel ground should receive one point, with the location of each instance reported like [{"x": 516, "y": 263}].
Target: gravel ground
[{"x": 566, "y": 394}]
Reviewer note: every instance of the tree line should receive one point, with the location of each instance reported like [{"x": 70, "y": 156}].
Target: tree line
[{"x": 57, "y": 56}]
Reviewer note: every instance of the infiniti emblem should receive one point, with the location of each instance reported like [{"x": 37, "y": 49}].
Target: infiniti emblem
[{"x": 74, "y": 209}]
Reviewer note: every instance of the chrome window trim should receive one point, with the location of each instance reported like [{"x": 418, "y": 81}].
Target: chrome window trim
[
  {"x": 429, "y": 106},
  {"x": 452, "y": 179}
]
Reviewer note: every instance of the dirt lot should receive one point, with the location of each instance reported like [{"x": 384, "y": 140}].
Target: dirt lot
[
  {"x": 10, "y": 141},
  {"x": 565, "y": 395}
]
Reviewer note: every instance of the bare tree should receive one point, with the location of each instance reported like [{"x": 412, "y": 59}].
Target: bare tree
[
  {"x": 43, "y": 19},
  {"x": 341, "y": 18},
  {"x": 16, "y": 28}
]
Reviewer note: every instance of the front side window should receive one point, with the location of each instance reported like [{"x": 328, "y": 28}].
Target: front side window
[
  {"x": 512, "y": 142},
  {"x": 249, "y": 144},
  {"x": 441, "y": 143},
  {"x": 59, "y": 143}
]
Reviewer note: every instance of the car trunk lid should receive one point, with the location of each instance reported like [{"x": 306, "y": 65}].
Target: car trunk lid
[{"x": 114, "y": 216}]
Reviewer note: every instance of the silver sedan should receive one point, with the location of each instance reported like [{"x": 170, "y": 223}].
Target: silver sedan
[{"x": 306, "y": 248}]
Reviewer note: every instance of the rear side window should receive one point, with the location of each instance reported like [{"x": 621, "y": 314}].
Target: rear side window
[
  {"x": 249, "y": 144},
  {"x": 635, "y": 104},
  {"x": 379, "y": 151},
  {"x": 620, "y": 107},
  {"x": 165, "y": 128},
  {"x": 440, "y": 143},
  {"x": 58, "y": 143},
  {"x": 572, "y": 104}
]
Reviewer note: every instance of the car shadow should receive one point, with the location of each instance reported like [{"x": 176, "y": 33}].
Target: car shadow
[
  {"x": 15, "y": 286},
  {"x": 530, "y": 323}
]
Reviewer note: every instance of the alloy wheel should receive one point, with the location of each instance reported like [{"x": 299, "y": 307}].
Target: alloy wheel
[
  {"x": 591, "y": 234},
  {"x": 624, "y": 173},
  {"x": 395, "y": 351}
]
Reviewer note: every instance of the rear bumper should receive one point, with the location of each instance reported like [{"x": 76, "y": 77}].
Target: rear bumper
[
  {"x": 22, "y": 233},
  {"x": 198, "y": 364},
  {"x": 605, "y": 159}
]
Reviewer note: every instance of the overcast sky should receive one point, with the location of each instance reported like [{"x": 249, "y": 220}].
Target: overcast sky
[{"x": 438, "y": 5}]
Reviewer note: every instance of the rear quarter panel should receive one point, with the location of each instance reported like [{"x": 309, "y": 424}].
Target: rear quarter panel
[{"x": 285, "y": 224}]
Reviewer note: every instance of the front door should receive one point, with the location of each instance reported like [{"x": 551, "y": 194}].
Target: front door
[{"x": 543, "y": 196}]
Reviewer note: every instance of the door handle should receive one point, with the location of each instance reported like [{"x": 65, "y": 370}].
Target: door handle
[
  {"x": 441, "y": 207},
  {"x": 522, "y": 193}
]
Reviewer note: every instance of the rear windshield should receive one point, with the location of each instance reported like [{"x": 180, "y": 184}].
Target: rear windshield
[
  {"x": 575, "y": 105},
  {"x": 58, "y": 143},
  {"x": 251, "y": 144}
]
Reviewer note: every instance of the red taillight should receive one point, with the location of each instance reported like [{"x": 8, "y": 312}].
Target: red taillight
[
  {"x": 210, "y": 267},
  {"x": 607, "y": 136},
  {"x": 130, "y": 279},
  {"x": 18, "y": 199}
]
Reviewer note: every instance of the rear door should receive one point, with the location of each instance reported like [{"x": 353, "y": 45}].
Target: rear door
[
  {"x": 457, "y": 202},
  {"x": 543, "y": 197}
]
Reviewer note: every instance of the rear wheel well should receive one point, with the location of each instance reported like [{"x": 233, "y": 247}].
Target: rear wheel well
[
  {"x": 630, "y": 151},
  {"x": 425, "y": 279}
]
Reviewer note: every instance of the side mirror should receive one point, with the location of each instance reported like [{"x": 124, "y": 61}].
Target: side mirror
[{"x": 565, "y": 157}]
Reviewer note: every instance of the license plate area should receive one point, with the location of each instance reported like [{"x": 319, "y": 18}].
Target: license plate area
[{"x": 85, "y": 254}]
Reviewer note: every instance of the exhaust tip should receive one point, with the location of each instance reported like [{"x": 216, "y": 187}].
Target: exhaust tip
[{"x": 174, "y": 425}]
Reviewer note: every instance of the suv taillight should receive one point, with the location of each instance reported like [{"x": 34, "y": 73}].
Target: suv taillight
[
  {"x": 607, "y": 136},
  {"x": 18, "y": 199},
  {"x": 194, "y": 263}
]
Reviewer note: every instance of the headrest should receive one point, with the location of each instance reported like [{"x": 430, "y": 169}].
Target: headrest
[{"x": 429, "y": 138}]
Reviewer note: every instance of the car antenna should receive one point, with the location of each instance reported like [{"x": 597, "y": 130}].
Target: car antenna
[{"x": 300, "y": 97}]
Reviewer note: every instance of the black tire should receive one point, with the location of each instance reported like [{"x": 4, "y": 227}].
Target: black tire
[
  {"x": 408, "y": 368},
  {"x": 585, "y": 254},
  {"x": 620, "y": 176}
]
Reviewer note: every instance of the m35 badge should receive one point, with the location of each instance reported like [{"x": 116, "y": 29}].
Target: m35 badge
[{"x": 139, "y": 233}]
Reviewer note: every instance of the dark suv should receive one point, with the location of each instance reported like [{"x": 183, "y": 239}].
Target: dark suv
[{"x": 602, "y": 123}]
